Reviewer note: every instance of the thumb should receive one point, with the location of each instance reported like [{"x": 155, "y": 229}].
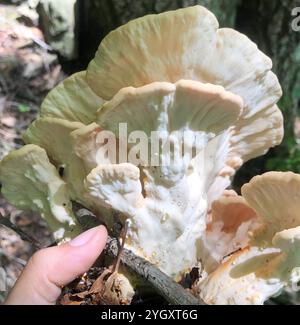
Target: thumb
[{"x": 51, "y": 268}]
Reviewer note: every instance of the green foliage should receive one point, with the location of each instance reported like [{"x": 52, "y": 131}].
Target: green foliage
[
  {"x": 23, "y": 108},
  {"x": 287, "y": 159}
]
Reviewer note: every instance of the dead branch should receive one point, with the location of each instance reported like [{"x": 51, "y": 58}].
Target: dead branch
[
  {"x": 5, "y": 221},
  {"x": 174, "y": 293}
]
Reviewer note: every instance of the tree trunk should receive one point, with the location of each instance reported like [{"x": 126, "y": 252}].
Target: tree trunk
[{"x": 269, "y": 24}]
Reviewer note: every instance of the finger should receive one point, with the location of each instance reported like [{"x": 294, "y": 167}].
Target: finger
[{"x": 51, "y": 268}]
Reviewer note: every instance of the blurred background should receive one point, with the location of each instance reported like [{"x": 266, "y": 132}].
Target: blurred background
[{"x": 43, "y": 41}]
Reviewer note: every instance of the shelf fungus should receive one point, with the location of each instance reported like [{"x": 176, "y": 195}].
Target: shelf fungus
[
  {"x": 265, "y": 225},
  {"x": 153, "y": 132},
  {"x": 72, "y": 100},
  {"x": 167, "y": 215},
  {"x": 31, "y": 182}
]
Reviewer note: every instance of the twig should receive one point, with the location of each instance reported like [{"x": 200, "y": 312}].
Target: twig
[
  {"x": 121, "y": 248},
  {"x": 41, "y": 43},
  {"x": 13, "y": 258},
  {"x": 7, "y": 223},
  {"x": 174, "y": 293}
]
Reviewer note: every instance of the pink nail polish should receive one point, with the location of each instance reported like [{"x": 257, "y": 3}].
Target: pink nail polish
[{"x": 83, "y": 238}]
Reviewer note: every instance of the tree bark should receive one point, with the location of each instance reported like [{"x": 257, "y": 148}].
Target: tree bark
[{"x": 268, "y": 23}]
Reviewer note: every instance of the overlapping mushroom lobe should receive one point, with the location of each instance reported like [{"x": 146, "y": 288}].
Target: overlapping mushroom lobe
[
  {"x": 30, "y": 181},
  {"x": 188, "y": 44},
  {"x": 269, "y": 261},
  {"x": 166, "y": 212}
]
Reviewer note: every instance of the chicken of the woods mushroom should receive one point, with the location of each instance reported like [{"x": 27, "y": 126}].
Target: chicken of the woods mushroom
[
  {"x": 263, "y": 228},
  {"x": 175, "y": 73}
]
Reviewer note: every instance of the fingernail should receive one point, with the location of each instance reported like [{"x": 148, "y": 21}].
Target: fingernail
[{"x": 83, "y": 238}]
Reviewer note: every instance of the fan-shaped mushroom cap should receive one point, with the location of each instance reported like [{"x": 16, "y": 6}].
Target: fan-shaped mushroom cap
[
  {"x": 275, "y": 197},
  {"x": 229, "y": 225},
  {"x": 30, "y": 181},
  {"x": 241, "y": 279},
  {"x": 252, "y": 137},
  {"x": 272, "y": 260},
  {"x": 53, "y": 135},
  {"x": 174, "y": 45},
  {"x": 89, "y": 144},
  {"x": 289, "y": 262},
  {"x": 165, "y": 217},
  {"x": 72, "y": 100},
  {"x": 254, "y": 275},
  {"x": 184, "y": 105},
  {"x": 187, "y": 44},
  {"x": 115, "y": 186}
]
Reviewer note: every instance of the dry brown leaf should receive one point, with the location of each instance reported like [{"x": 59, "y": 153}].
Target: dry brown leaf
[{"x": 69, "y": 299}]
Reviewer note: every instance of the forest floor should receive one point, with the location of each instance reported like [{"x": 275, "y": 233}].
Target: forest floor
[{"x": 28, "y": 70}]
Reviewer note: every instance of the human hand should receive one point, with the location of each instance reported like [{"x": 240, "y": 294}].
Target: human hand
[{"x": 52, "y": 268}]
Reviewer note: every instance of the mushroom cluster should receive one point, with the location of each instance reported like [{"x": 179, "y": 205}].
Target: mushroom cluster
[
  {"x": 175, "y": 73},
  {"x": 260, "y": 230}
]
